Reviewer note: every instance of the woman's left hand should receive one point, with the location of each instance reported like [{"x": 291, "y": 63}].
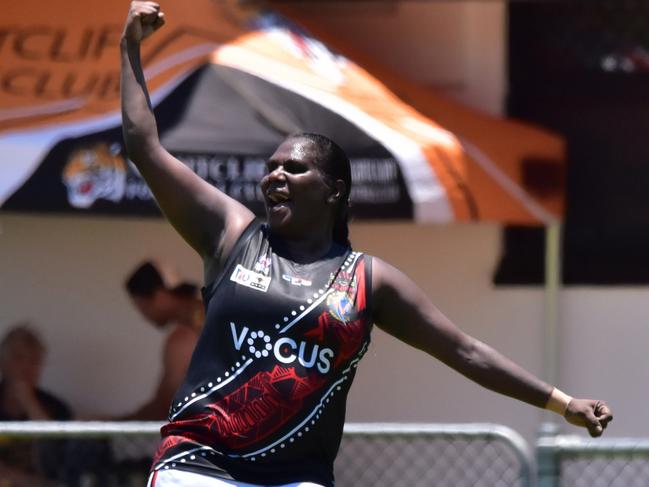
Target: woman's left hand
[{"x": 590, "y": 414}]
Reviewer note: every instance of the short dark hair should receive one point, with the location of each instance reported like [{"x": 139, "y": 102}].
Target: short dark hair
[
  {"x": 146, "y": 279},
  {"x": 334, "y": 164}
]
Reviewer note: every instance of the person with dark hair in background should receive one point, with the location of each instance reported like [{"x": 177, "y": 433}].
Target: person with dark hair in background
[
  {"x": 162, "y": 304},
  {"x": 27, "y": 462},
  {"x": 289, "y": 310}
]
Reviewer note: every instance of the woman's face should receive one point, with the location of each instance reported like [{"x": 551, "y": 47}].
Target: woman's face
[
  {"x": 22, "y": 362},
  {"x": 155, "y": 308},
  {"x": 296, "y": 194}
]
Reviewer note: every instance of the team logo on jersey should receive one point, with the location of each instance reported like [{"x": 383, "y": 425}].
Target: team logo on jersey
[
  {"x": 340, "y": 306},
  {"x": 296, "y": 281},
  {"x": 93, "y": 173},
  {"x": 250, "y": 279}
]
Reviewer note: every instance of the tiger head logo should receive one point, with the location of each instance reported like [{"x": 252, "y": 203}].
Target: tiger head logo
[{"x": 95, "y": 172}]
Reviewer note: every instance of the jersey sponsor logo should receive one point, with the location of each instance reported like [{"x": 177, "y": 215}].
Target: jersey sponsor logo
[
  {"x": 296, "y": 281},
  {"x": 250, "y": 279},
  {"x": 285, "y": 350}
]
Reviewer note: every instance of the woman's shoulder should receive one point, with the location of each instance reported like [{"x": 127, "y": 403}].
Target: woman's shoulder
[
  {"x": 214, "y": 265},
  {"x": 383, "y": 273}
]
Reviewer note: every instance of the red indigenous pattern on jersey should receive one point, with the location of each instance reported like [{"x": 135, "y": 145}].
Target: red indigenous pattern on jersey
[
  {"x": 167, "y": 443},
  {"x": 254, "y": 411}
]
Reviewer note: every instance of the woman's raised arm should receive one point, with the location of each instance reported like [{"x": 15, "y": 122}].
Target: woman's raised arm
[{"x": 209, "y": 220}]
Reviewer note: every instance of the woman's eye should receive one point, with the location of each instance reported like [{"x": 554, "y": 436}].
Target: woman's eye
[
  {"x": 295, "y": 168},
  {"x": 290, "y": 167}
]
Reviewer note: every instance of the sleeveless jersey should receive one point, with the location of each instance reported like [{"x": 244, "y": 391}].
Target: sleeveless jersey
[{"x": 264, "y": 396}]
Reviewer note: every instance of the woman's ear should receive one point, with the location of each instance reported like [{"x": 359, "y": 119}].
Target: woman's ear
[{"x": 337, "y": 191}]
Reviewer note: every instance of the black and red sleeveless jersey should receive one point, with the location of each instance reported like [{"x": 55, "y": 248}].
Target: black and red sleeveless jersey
[{"x": 264, "y": 396}]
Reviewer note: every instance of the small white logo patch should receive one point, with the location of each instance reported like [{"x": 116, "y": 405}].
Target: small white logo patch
[
  {"x": 296, "y": 281},
  {"x": 251, "y": 279}
]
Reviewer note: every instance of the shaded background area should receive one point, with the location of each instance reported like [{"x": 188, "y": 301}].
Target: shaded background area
[{"x": 582, "y": 69}]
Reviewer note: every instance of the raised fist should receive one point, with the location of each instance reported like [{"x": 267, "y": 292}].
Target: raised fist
[
  {"x": 144, "y": 18},
  {"x": 589, "y": 413}
]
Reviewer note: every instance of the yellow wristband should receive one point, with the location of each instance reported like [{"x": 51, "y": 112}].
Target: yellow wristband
[{"x": 558, "y": 402}]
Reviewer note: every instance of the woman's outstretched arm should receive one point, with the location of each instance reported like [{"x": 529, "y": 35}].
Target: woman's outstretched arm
[
  {"x": 404, "y": 311},
  {"x": 209, "y": 220}
]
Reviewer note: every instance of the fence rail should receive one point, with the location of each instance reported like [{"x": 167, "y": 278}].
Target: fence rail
[
  {"x": 371, "y": 455},
  {"x": 117, "y": 454},
  {"x": 573, "y": 461},
  {"x": 78, "y": 429}
]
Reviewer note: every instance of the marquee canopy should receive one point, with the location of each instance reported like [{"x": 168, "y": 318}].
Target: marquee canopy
[{"x": 228, "y": 84}]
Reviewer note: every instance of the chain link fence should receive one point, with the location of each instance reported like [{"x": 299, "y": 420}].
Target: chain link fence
[
  {"x": 572, "y": 461},
  {"x": 440, "y": 455},
  {"x": 371, "y": 455},
  {"x": 77, "y": 453},
  {"x": 107, "y": 454}
]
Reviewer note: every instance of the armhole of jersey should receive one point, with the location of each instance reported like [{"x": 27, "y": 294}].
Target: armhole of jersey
[
  {"x": 368, "y": 287},
  {"x": 208, "y": 290}
]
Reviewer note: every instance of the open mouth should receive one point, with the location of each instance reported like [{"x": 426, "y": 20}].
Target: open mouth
[{"x": 277, "y": 198}]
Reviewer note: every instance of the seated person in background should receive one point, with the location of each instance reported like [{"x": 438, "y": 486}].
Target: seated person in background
[
  {"x": 26, "y": 462},
  {"x": 162, "y": 303}
]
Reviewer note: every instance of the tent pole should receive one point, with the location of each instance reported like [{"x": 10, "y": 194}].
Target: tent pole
[{"x": 551, "y": 316}]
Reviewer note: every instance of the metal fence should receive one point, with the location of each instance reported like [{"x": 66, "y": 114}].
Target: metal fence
[
  {"x": 80, "y": 453},
  {"x": 572, "y": 461},
  {"x": 107, "y": 454},
  {"x": 440, "y": 455},
  {"x": 371, "y": 455}
]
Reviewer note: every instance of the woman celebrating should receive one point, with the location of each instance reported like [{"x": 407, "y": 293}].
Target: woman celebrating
[{"x": 289, "y": 308}]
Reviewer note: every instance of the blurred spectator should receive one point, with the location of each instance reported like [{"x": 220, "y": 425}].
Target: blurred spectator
[
  {"x": 163, "y": 301},
  {"x": 27, "y": 462}
]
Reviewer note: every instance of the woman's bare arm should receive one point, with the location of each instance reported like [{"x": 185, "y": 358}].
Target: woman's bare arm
[
  {"x": 404, "y": 311},
  {"x": 209, "y": 220}
]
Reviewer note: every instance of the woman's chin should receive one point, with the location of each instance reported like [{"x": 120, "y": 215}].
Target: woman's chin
[{"x": 278, "y": 216}]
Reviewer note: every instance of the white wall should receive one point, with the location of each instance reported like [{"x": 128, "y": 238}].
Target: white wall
[{"x": 65, "y": 274}]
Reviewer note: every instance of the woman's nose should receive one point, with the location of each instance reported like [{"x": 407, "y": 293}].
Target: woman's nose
[{"x": 277, "y": 174}]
